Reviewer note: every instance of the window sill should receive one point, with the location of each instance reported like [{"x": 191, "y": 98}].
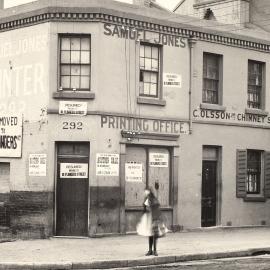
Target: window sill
[
  {"x": 74, "y": 95},
  {"x": 254, "y": 199},
  {"x": 151, "y": 101},
  {"x": 213, "y": 107},
  {"x": 256, "y": 111}
]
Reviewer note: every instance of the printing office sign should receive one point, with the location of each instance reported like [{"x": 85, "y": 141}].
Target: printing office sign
[
  {"x": 73, "y": 170},
  {"x": 72, "y": 108},
  {"x": 144, "y": 124},
  {"x": 10, "y": 135}
]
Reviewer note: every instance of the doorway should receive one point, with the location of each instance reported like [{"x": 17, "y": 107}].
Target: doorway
[
  {"x": 209, "y": 201},
  {"x": 72, "y": 189}
]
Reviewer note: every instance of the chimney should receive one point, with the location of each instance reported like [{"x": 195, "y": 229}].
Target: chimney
[{"x": 145, "y": 3}]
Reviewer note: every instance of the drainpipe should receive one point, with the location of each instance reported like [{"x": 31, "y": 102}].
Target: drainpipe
[{"x": 191, "y": 42}]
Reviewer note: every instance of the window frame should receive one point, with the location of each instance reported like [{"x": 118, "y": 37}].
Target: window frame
[
  {"x": 60, "y": 64},
  {"x": 219, "y": 79},
  {"x": 158, "y": 72},
  {"x": 262, "y": 86},
  {"x": 260, "y": 173}
]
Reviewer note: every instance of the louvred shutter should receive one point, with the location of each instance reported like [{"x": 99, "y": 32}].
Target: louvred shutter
[
  {"x": 267, "y": 174},
  {"x": 241, "y": 173}
]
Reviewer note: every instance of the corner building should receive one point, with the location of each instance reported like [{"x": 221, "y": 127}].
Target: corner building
[{"x": 100, "y": 99}]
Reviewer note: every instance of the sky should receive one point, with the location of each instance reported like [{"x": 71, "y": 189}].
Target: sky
[{"x": 169, "y": 4}]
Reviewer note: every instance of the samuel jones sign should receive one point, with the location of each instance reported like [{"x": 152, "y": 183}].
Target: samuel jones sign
[
  {"x": 144, "y": 125},
  {"x": 133, "y": 33},
  {"x": 230, "y": 117}
]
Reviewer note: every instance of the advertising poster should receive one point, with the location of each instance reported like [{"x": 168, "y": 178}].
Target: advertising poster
[
  {"x": 73, "y": 170},
  {"x": 10, "y": 135},
  {"x": 134, "y": 172},
  {"x": 107, "y": 164},
  {"x": 158, "y": 160},
  {"x": 37, "y": 164}
]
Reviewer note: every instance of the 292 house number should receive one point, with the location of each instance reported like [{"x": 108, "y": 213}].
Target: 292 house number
[{"x": 72, "y": 125}]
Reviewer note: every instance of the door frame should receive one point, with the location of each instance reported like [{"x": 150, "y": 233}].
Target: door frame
[
  {"x": 218, "y": 179},
  {"x": 173, "y": 148},
  {"x": 56, "y": 146}
]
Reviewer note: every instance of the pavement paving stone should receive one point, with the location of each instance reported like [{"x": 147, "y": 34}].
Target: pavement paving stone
[{"x": 129, "y": 250}]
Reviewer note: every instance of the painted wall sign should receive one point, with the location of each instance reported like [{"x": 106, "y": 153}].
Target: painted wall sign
[
  {"x": 231, "y": 117},
  {"x": 107, "y": 164},
  {"x": 158, "y": 160},
  {"x": 133, "y": 172},
  {"x": 144, "y": 124},
  {"x": 73, "y": 170},
  {"x": 72, "y": 108},
  {"x": 37, "y": 164},
  {"x": 10, "y": 135},
  {"x": 133, "y": 33},
  {"x": 172, "y": 80}
]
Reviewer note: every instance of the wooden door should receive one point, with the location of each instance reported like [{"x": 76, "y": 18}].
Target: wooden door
[
  {"x": 72, "y": 189},
  {"x": 209, "y": 186}
]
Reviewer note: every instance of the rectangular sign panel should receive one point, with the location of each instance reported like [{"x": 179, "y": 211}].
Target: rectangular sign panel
[
  {"x": 73, "y": 170},
  {"x": 72, "y": 108},
  {"x": 107, "y": 164},
  {"x": 37, "y": 164},
  {"x": 134, "y": 172},
  {"x": 158, "y": 160},
  {"x": 10, "y": 135},
  {"x": 172, "y": 80}
]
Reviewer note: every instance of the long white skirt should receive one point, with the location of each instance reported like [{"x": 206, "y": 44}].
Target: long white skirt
[{"x": 144, "y": 227}]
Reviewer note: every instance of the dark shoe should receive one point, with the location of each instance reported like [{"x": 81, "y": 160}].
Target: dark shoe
[
  {"x": 155, "y": 253},
  {"x": 149, "y": 253}
]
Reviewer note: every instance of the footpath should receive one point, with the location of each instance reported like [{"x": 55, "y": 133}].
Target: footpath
[{"x": 129, "y": 250}]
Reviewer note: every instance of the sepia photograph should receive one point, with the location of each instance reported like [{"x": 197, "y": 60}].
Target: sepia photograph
[{"x": 135, "y": 134}]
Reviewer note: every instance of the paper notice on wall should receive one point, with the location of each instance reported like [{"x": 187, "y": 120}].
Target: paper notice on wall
[
  {"x": 158, "y": 160},
  {"x": 107, "y": 164},
  {"x": 73, "y": 170},
  {"x": 172, "y": 80},
  {"x": 10, "y": 135},
  {"x": 133, "y": 172},
  {"x": 72, "y": 108},
  {"x": 37, "y": 164}
]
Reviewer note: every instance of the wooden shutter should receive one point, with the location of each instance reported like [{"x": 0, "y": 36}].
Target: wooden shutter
[
  {"x": 267, "y": 174},
  {"x": 241, "y": 173}
]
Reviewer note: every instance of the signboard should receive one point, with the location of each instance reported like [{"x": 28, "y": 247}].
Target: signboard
[
  {"x": 72, "y": 108},
  {"x": 10, "y": 135},
  {"x": 37, "y": 164},
  {"x": 144, "y": 124},
  {"x": 73, "y": 170},
  {"x": 107, "y": 164},
  {"x": 172, "y": 80},
  {"x": 158, "y": 160},
  {"x": 134, "y": 172}
]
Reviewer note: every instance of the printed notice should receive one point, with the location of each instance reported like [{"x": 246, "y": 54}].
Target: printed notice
[
  {"x": 172, "y": 80},
  {"x": 134, "y": 172},
  {"x": 107, "y": 164},
  {"x": 10, "y": 135},
  {"x": 158, "y": 160},
  {"x": 72, "y": 108},
  {"x": 37, "y": 164},
  {"x": 73, "y": 170}
]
